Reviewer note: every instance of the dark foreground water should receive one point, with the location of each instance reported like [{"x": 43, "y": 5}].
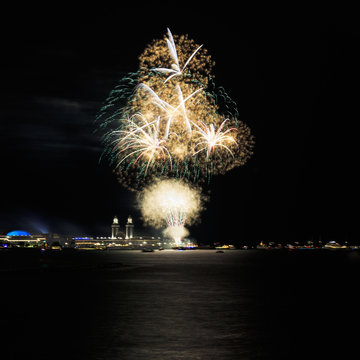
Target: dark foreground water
[{"x": 180, "y": 305}]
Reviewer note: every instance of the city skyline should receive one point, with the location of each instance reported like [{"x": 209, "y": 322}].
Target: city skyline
[{"x": 294, "y": 88}]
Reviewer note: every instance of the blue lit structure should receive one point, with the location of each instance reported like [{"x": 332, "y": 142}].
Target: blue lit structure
[
  {"x": 18, "y": 233},
  {"x": 22, "y": 238}
]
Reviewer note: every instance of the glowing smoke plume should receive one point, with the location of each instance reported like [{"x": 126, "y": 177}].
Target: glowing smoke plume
[
  {"x": 177, "y": 233},
  {"x": 172, "y": 203}
]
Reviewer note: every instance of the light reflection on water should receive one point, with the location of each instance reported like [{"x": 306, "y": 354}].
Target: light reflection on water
[
  {"x": 178, "y": 305},
  {"x": 183, "y": 305}
]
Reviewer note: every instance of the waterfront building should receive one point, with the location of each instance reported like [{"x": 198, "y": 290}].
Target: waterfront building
[
  {"x": 115, "y": 228},
  {"x": 334, "y": 245},
  {"x": 120, "y": 239},
  {"x": 21, "y": 238},
  {"x": 129, "y": 228},
  {"x": 125, "y": 238}
]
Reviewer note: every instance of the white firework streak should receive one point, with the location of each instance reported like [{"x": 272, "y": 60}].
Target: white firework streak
[
  {"x": 182, "y": 105},
  {"x": 169, "y": 109},
  {"x": 175, "y": 67},
  {"x": 213, "y": 138},
  {"x": 176, "y": 217},
  {"x": 143, "y": 139}
]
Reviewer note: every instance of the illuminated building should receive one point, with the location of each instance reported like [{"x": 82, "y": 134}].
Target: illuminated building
[
  {"x": 21, "y": 238},
  {"x": 119, "y": 239},
  {"x": 127, "y": 240},
  {"x": 334, "y": 245},
  {"x": 129, "y": 228},
  {"x": 115, "y": 228}
]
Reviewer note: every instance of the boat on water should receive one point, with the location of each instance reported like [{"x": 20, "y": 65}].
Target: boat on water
[
  {"x": 184, "y": 248},
  {"x": 55, "y": 246},
  {"x": 89, "y": 246},
  {"x": 334, "y": 245},
  {"x": 225, "y": 247}
]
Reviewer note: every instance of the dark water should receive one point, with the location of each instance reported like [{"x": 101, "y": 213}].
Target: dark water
[{"x": 180, "y": 305}]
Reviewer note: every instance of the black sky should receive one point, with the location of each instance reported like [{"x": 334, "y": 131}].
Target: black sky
[{"x": 294, "y": 73}]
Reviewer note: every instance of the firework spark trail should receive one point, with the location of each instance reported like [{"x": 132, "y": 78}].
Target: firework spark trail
[
  {"x": 169, "y": 109},
  {"x": 212, "y": 138},
  {"x": 175, "y": 68},
  {"x": 144, "y": 139},
  {"x": 176, "y": 217}
]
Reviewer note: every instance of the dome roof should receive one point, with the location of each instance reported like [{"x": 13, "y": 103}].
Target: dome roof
[{"x": 18, "y": 233}]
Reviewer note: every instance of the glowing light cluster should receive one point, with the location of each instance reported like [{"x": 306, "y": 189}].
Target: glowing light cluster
[
  {"x": 171, "y": 202},
  {"x": 169, "y": 120}
]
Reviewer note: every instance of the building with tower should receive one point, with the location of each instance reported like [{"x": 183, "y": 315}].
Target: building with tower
[
  {"x": 115, "y": 228},
  {"x": 129, "y": 228},
  {"x": 122, "y": 237},
  {"x": 21, "y": 238}
]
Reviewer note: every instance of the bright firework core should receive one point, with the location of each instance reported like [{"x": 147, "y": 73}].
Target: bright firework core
[{"x": 173, "y": 203}]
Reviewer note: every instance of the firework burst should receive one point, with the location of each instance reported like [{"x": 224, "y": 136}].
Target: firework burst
[
  {"x": 210, "y": 139},
  {"x": 173, "y": 203},
  {"x": 141, "y": 141},
  {"x": 169, "y": 120}
]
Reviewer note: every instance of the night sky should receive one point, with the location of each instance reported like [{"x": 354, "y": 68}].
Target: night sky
[{"x": 293, "y": 72}]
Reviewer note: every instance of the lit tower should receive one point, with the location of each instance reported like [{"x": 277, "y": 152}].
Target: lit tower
[
  {"x": 115, "y": 228},
  {"x": 129, "y": 228}
]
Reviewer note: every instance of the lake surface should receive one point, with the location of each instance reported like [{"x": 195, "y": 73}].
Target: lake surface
[{"x": 199, "y": 304}]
